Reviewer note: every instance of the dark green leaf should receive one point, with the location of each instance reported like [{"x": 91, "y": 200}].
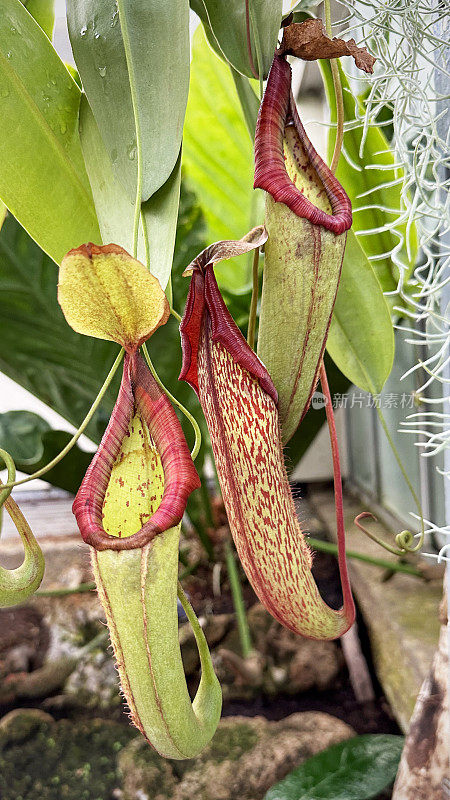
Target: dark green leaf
[
  {"x": 32, "y": 444},
  {"x": 133, "y": 59},
  {"x": 225, "y": 25},
  {"x": 42, "y": 176},
  {"x": 21, "y": 436},
  {"x": 357, "y": 769}
]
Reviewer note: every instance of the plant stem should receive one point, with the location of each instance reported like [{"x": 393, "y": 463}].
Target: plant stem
[
  {"x": 340, "y": 527},
  {"x": 338, "y": 93},
  {"x": 254, "y": 302},
  {"x": 238, "y": 601},
  {"x": 81, "y": 589},
  {"x": 187, "y": 414},
  {"x": 392, "y": 566},
  {"x": 78, "y": 432},
  {"x": 408, "y": 483}
]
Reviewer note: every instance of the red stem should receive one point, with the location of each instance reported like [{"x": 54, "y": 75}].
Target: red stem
[{"x": 348, "y": 606}]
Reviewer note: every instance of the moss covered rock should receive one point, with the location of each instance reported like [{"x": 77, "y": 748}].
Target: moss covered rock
[{"x": 41, "y": 759}]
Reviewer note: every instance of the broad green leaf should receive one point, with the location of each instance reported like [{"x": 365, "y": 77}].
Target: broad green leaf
[
  {"x": 31, "y": 442},
  {"x": 358, "y": 177},
  {"x": 43, "y": 11},
  {"x": 218, "y": 159},
  {"x": 115, "y": 210},
  {"x": 133, "y": 59},
  {"x": 21, "y": 436},
  {"x": 357, "y": 769},
  {"x": 226, "y": 28},
  {"x": 65, "y": 369},
  {"x": 42, "y": 176},
  {"x": 361, "y": 335}
]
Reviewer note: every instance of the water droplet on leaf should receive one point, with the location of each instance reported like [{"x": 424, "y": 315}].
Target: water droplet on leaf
[
  {"x": 132, "y": 151},
  {"x": 102, "y": 71},
  {"x": 83, "y": 31}
]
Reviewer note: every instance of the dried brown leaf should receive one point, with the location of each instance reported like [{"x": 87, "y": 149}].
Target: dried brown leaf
[{"x": 308, "y": 40}]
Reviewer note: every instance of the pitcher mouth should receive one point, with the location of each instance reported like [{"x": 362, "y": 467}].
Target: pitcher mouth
[
  {"x": 138, "y": 392},
  {"x": 277, "y": 111}
]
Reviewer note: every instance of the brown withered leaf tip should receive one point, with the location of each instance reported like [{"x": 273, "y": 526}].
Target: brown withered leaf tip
[{"x": 308, "y": 40}]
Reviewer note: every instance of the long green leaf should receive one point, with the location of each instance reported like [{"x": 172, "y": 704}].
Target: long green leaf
[
  {"x": 43, "y": 11},
  {"x": 133, "y": 59},
  {"x": 42, "y": 176},
  {"x": 218, "y": 159},
  {"x": 115, "y": 210},
  {"x": 361, "y": 335},
  {"x": 357, "y": 769},
  {"x": 358, "y": 176},
  {"x": 225, "y": 25}
]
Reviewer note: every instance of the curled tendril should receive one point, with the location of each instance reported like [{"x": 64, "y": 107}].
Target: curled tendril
[
  {"x": 16, "y": 585},
  {"x": 11, "y": 467},
  {"x": 403, "y": 540}
]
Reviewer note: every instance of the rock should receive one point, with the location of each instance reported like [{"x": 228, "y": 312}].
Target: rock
[
  {"x": 246, "y": 757},
  {"x": 18, "y": 725},
  {"x": 24, "y": 639},
  {"x": 292, "y": 663},
  {"x": 45, "y": 760}
]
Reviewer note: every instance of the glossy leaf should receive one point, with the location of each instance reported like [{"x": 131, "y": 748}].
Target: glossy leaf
[
  {"x": 21, "y": 436},
  {"x": 359, "y": 177},
  {"x": 42, "y": 176},
  {"x": 218, "y": 159},
  {"x": 357, "y": 769},
  {"x": 136, "y": 87},
  {"x": 226, "y": 27},
  {"x": 361, "y": 334},
  {"x": 62, "y": 368},
  {"x": 43, "y": 11},
  {"x": 106, "y": 293},
  {"x": 115, "y": 210},
  {"x": 32, "y": 444}
]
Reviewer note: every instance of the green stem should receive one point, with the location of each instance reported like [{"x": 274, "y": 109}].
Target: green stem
[
  {"x": 78, "y": 432},
  {"x": 404, "y": 538},
  {"x": 254, "y": 302},
  {"x": 392, "y": 566},
  {"x": 238, "y": 601},
  {"x": 187, "y": 414},
  {"x": 338, "y": 94}
]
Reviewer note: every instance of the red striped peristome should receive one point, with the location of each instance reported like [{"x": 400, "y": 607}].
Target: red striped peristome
[
  {"x": 277, "y": 110},
  {"x": 239, "y": 402},
  {"x": 138, "y": 392}
]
